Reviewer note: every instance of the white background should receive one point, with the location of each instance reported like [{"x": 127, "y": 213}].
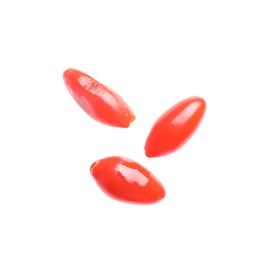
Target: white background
[{"x": 221, "y": 186}]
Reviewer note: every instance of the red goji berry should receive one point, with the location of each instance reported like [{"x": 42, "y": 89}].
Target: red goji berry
[
  {"x": 175, "y": 127},
  {"x": 97, "y": 100},
  {"x": 125, "y": 180}
]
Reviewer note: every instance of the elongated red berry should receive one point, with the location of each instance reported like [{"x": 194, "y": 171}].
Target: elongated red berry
[
  {"x": 125, "y": 180},
  {"x": 175, "y": 127},
  {"x": 99, "y": 101}
]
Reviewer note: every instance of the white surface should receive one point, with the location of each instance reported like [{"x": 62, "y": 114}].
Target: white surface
[{"x": 221, "y": 186}]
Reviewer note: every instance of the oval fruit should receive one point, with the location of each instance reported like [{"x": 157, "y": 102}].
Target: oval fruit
[
  {"x": 125, "y": 180},
  {"x": 175, "y": 127},
  {"x": 97, "y": 100}
]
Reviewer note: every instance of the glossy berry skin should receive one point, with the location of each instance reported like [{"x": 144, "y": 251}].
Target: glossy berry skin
[
  {"x": 175, "y": 127},
  {"x": 97, "y": 100},
  {"x": 125, "y": 180}
]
